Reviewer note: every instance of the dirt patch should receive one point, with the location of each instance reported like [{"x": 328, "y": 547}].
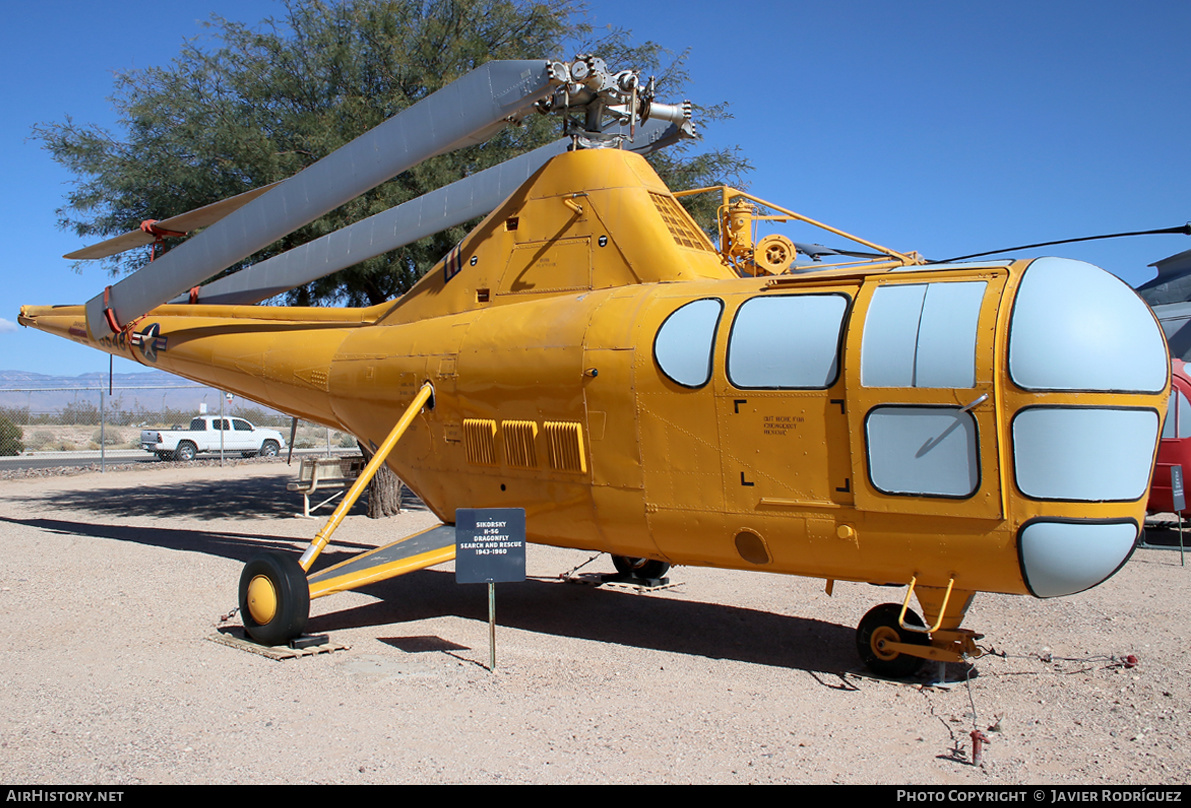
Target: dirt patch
[{"x": 113, "y": 583}]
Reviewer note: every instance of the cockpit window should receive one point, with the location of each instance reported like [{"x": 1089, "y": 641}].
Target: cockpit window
[
  {"x": 1076, "y": 327},
  {"x": 791, "y": 342},
  {"x": 1084, "y": 454},
  {"x": 684, "y": 343}
]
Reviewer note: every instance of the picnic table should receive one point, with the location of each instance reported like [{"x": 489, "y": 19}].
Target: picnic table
[{"x": 323, "y": 473}]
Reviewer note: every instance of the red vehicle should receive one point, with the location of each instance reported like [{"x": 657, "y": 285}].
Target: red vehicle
[{"x": 1175, "y": 447}]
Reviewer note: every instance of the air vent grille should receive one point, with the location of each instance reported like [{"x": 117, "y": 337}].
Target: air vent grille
[
  {"x": 479, "y": 440},
  {"x": 520, "y": 443},
  {"x": 681, "y": 226},
  {"x": 565, "y": 439}
]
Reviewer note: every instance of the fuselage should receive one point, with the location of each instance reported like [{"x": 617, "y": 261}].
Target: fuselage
[{"x": 596, "y": 364}]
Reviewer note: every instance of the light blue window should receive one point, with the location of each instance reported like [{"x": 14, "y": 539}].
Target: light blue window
[
  {"x": 684, "y": 343},
  {"x": 930, "y": 451},
  {"x": 1076, "y": 327},
  {"x": 1088, "y": 454},
  {"x": 922, "y": 335},
  {"x": 787, "y": 342}
]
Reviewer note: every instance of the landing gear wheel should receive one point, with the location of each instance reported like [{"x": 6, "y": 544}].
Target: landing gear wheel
[
  {"x": 274, "y": 598},
  {"x": 879, "y": 627},
  {"x": 640, "y": 567}
]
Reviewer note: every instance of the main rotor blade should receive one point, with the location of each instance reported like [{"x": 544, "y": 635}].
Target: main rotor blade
[
  {"x": 205, "y": 216},
  {"x": 475, "y": 105},
  {"x": 468, "y": 198}
]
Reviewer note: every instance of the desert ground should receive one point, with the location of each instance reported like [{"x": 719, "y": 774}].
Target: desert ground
[{"x": 113, "y": 585}]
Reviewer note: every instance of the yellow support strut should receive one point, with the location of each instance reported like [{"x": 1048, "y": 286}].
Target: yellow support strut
[{"x": 353, "y": 493}]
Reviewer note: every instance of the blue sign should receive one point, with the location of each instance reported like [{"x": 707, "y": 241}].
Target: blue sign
[{"x": 489, "y": 545}]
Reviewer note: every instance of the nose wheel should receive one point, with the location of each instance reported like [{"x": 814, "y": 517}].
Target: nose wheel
[
  {"x": 878, "y": 634},
  {"x": 274, "y": 598}
]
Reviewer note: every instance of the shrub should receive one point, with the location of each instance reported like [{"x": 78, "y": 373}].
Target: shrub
[
  {"x": 10, "y": 438},
  {"x": 108, "y": 435},
  {"x": 41, "y": 438}
]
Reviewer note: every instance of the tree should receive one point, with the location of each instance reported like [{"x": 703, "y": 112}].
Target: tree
[{"x": 262, "y": 103}]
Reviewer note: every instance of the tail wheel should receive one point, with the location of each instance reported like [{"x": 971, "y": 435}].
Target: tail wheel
[
  {"x": 274, "y": 598},
  {"x": 880, "y": 627},
  {"x": 640, "y": 567}
]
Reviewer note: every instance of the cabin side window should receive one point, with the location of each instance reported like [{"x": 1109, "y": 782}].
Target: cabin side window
[
  {"x": 682, "y": 348},
  {"x": 791, "y": 342},
  {"x": 922, "y": 335}
]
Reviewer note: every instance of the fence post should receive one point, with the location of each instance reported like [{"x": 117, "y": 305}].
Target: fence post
[{"x": 103, "y": 442}]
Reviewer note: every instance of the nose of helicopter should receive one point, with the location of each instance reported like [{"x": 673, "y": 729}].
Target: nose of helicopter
[{"x": 1080, "y": 343}]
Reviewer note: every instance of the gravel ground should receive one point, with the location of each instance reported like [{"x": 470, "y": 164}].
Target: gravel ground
[{"x": 112, "y": 585}]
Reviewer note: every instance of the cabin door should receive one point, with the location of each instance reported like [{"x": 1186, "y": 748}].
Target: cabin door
[
  {"x": 780, "y": 402},
  {"x": 922, "y": 404}
]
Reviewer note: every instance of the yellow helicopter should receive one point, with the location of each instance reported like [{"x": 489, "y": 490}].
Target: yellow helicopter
[{"x": 588, "y": 354}]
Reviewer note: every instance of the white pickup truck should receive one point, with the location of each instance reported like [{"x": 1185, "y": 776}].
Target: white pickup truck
[{"x": 208, "y": 433}]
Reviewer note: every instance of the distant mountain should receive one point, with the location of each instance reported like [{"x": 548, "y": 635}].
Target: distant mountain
[{"x": 24, "y": 378}]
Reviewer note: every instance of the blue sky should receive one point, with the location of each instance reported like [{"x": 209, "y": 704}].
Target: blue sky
[{"x": 942, "y": 127}]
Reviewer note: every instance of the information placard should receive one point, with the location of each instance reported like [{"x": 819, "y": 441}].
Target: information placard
[{"x": 489, "y": 545}]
